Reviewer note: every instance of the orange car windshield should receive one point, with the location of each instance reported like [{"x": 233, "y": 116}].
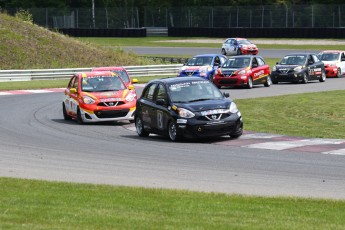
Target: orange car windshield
[{"x": 102, "y": 83}]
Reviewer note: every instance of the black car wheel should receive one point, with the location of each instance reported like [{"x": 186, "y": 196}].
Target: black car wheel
[
  {"x": 79, "y": 118},
  {"x": 250, "y": 83},
  {"x": 268, "y": 81},
  {"x": 210, "y": 78},
  {"x": 305, "y": 79},
  {"x": 223, "y": 52},
  {"x": 323, "y": 76},
  {"x": 339, "y": 73},
  {"x": 66, "y": 117},
  {"x": 173, "y": 132},
  {"x": 239, "y": 52},
  {"x": 139, "y": 126}
]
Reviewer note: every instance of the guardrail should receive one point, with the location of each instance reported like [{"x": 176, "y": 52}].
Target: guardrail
[{"x": 45, "y": 74}]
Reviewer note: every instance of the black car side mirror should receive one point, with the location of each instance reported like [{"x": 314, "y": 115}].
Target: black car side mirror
[
  {"x": 160, "y": 102},
  {"x": 226, "y": 94}
]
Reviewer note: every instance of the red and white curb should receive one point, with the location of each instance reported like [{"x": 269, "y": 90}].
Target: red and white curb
[
  {"x": 33, "y": 91},
  {"x": 281, "y": 142}
]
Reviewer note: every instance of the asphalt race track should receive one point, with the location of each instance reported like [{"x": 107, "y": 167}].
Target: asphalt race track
[{"x": 37, "y": 143}]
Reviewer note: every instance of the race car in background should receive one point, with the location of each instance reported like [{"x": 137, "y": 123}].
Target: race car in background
[
  {"x": 299, "y": 67},
  {"x": 334, "y": 61},
  {"x": 98, "y": 96},
  {"x": 244, "y": 71},
  {"x": 203, "y": 65},
  {"x": 238, "y": 46},
  {"x": 121, "y": 71}
]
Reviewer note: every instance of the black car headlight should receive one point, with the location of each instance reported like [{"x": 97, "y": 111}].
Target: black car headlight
[{"x": 185, "y": 113}]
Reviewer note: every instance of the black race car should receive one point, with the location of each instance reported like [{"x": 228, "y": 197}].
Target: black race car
[
  {"x": 299, "y": 67},
  {"x": 189, "y": 107}
]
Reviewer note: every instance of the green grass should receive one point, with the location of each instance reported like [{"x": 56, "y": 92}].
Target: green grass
[
  {"x": 319, "y": 115},
  {"x": 116, "y": 43},
  {"x": 31, "y": 204}
]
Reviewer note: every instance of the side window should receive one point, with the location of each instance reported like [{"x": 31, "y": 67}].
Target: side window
[
  {"x": 71, "y": 82},
  {"x": 162, "y": 93},
  {"x": 315, "y": 58},
  {"x": 216, "y": 61},
  {"x": 254, "y": 63},
  {"x": 310, "y": 60},
  {"x": 75, "y": 83},
  {"x": 149, "y": 92},
  {"x": 261, "y": 62}
]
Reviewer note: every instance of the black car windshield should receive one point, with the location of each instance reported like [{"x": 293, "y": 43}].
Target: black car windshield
[
  {"x": 238, "y": 62},
  {"x": 329, "y": 56},
  {"x": 200, "y": 61},
  {"x": 194, "y": 91},
  {"x": 102, "y": 83},
  {"x": 294, "y": 60}
]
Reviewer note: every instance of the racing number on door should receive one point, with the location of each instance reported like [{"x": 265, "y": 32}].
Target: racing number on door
[{"x": 160, "y": 119}]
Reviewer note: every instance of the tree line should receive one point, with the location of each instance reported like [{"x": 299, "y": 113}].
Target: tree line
[{"x": 157, "y": 3}]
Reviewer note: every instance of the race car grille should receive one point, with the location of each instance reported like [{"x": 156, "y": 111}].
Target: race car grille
[
  {"x": 213, "y": 130},
  {"x": 214, "y": 117},
  {"x": 227, "y": 74},
  {"x": 284, "y": 71},
  {"x": 228, "y": 81},
  {"x": 111, "y": 113},
  {"x": 190, "y": 73},
  {"x": 111, "y": 103}
]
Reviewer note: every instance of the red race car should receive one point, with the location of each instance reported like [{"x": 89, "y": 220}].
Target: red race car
[
  {"x": 334, "y": 61},
  {"x": 121, "y": 71},
  {"x": 98, "y": 96},
  {"x": 244, "y": 71}
]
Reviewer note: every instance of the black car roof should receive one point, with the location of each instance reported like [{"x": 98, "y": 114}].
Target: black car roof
[{"x": 178, "y": 79}]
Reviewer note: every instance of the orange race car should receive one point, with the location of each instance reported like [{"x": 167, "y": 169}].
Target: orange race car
[{"x": 98, "y": 96}]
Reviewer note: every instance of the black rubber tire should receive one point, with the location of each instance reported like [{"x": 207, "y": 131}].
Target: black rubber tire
[
  {"x": 323, "y": 76},
  {"x": 305, "y": 79},
  {"x": 223, "y": 51},
  {"x": 239, "y": 52},
  {"x": 140, "y": 127},
  {"x": 79, "y": 118},
  {"x": 66, "y": 117},
  {"x": 173, "y": 132},
  {"x": 268, "y": 82},
  {"x": 250, "y": 83}
]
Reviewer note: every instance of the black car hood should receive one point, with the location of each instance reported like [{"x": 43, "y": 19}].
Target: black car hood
[{"x": 205, "y": 105}]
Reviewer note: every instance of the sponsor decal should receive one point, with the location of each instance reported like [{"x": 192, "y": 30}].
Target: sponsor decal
[
  {"x": 112, "y": 99},
  {"x": 261, "y": 72}
]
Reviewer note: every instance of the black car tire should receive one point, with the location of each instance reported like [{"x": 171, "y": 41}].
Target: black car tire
[
  {"x": 323, "y": 76},
  {"x": 305, "y": 79},
  {"x": 239, "y": 52},
  {"x": 140, "y": 127},
  {"x": 250, "y": 83},
  {"x": 66, "y": 117},
  {"x": 339, "y": 74},
  {"x": 223, "y": 51},
  {"x": 210, "y": 78},
  {"x": 268, "y": 82},
  {"x": 173, "y": 132},
  {"x": 79, "y": 118}
]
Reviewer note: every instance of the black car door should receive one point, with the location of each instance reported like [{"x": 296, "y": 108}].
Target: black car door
[
  {"x": 160, "y": 114},
  {"x": 147, "y": 105},
  {"x": 314, "y": 68}
]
